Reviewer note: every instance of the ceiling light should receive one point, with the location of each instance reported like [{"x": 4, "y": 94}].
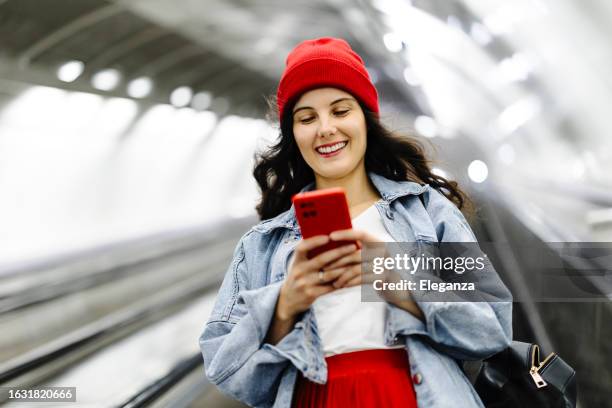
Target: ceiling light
[
  {"x": 515, "y": 68},
  {"x": 201, "y": 100},
  {"x": 519, "y": 113},
  {"x": 70, "y": 71},
  {"x": 480, "y": 34},
  {"x": 181, "y": 96},
  {"x": 411, "y": 77},
  {"x": 478, "y": 171},
  {"x": 426, "y": 126},
  {"x": 393, "y": 42},
  {"x": 106, "y": 80},
  {"x": 140, "y": 87},
  {"x": 392, "y": 7}
]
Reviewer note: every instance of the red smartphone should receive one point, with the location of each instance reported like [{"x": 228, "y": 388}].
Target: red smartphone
[{"x": 322, "y": 212}]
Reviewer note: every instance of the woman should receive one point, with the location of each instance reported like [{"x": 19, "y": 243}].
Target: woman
[{"x": 291, "y": 331}]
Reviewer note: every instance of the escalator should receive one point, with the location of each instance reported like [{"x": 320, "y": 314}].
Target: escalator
[{"x": 120, "y": 324}]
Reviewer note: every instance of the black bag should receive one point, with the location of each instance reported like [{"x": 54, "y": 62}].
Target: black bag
[{"x": 517, "y": 377}]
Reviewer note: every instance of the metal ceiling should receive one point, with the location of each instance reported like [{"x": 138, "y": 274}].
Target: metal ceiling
[{"x": 232, "y": 49}]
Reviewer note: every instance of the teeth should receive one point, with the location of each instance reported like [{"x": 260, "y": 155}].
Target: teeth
[{"x": 332, "y": 148}]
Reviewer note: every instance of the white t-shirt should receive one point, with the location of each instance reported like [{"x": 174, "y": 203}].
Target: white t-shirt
[{"x": 345, "y": 323}]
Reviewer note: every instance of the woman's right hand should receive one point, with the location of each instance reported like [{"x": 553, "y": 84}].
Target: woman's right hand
[{"x": 306, "y": 281}]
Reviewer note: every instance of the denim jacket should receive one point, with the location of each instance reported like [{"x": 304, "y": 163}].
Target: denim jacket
[{"x": 239, "y": 361}]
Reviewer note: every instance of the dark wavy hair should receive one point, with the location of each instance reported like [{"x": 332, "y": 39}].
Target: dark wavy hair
[{"x": 281, "y": 171}]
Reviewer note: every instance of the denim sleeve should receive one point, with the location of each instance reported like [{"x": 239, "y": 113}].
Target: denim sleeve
[
  {"x": 463, "y": 330},
  {"x": 236, "y": 359}
]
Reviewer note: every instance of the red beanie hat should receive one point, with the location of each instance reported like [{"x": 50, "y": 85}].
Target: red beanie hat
[{"x": 325, "y": 62}]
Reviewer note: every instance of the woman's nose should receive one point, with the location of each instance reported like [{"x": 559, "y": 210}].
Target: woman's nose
[{"x": 326, "y": 128}]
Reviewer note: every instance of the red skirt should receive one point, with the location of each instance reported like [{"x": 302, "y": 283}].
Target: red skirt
[{"x": 363, "y": 379}]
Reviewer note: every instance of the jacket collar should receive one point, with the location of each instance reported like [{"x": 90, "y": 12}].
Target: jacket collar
[{"x": 389, "y": 190}]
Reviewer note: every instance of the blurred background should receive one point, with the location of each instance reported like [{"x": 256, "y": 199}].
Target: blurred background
[{"x": 127, "y": 134}]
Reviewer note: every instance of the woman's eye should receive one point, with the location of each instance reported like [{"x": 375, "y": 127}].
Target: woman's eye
[
  {"x": 306, "y": 120},
  {"x": 341, "y": 112}
]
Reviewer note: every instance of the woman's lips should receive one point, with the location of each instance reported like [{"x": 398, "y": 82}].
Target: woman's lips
[{"x": 334, "y": 152}]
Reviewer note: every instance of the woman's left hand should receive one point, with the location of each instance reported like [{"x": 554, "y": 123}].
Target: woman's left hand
[
  {"x": 358, "y": 270},
  {"x": 350, "y": 266}
]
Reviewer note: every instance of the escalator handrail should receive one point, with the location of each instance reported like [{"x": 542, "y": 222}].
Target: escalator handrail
[
  {"x": 37, "y": 290},
  {"x": 157, "y": 388},
  {"x": 62, "y": 259},
  {"x": 106, "y": 326}
]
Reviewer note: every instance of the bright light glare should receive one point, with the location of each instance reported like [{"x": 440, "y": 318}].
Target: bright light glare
[
  {"x": 201, "y": 100},
  {"x": 411, "y": 77},
  {"x": 140, "y": 87},
  {"x": 508, "y": 16},
  {"x": 393, "y": 42},
  {"x": 478, "y": 171},
  {"x": 181, "y": 96},
  {"x": 439, "y": 172},
  {"x": 426, "y": 126},
  {"x": 47, "y": 102},
  {"x": 392, "y": 7},
  {"x": 106, "y": 80},
  {"x": 515, "y": 68},
  {"x": 113, "y": 118},
  {"x": 70, "y": 71},
  {"x": 517, "y": 114},
  {"x": 480, "y": 34}
]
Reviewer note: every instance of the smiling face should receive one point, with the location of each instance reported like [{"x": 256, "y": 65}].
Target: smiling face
[{"x": 330, "y": 131}]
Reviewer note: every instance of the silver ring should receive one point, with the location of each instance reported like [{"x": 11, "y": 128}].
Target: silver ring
[{"x": 321, "y": 276}]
